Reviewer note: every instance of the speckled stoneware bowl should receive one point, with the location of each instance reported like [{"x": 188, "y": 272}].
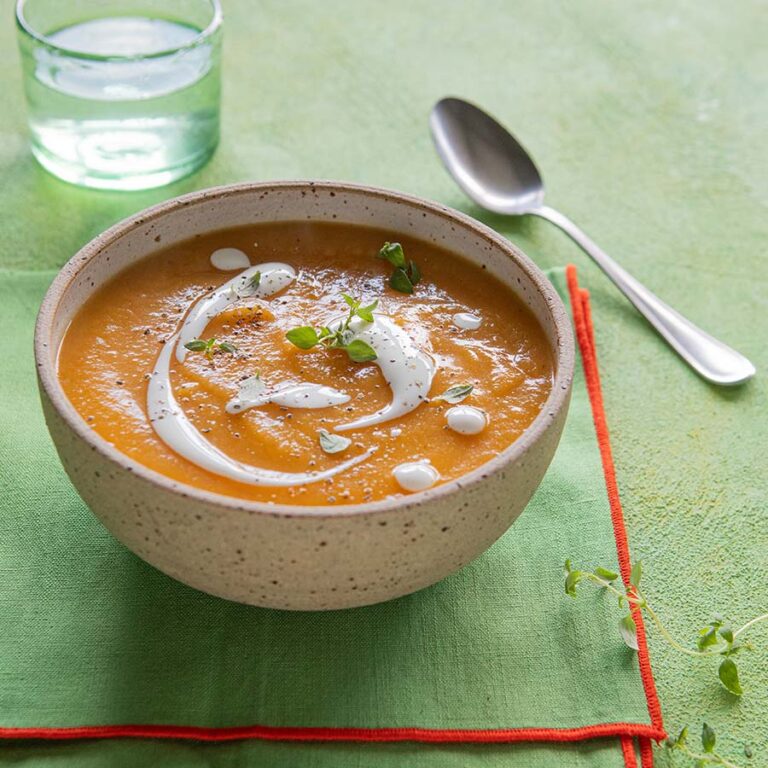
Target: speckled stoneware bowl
[{"x": 301, "y": 558}]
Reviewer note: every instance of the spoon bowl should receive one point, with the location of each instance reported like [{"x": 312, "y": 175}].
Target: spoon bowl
[{"x": 485, "y": 159}]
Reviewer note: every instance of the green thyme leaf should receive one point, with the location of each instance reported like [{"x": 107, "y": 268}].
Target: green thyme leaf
[
  {"x": 304, "y": 337},
  {"x": 628, "y": 632},
  {"x": 359, "y": 351},
  {"x": 635, "y": 574},
  {"x": 366, "y": 313},
  {"x": 414, "y": 273},
  {"x": 225, "y": 346},
  {"x": 331, "y": 443},
  {"x": 683, "y": 737},
  {"x": 707, "y": 638},
  {"x": 568, "y": 566},
  {"x": 727, "y": 634},
  {"x": 400, "y": 281},
  {"x": 604, "y": 573},
  {"x": 455, "y": 394},
  {"x": 255, "y": 281},
  {"x": 196, "y": 345},
  {"x": 393, "y": 253},
  {"x": 571, "y": 580},
  {"x": 729, "y": 676},
  {"x": 353, "y": 303},
  {"x": 708, "y": 738}
]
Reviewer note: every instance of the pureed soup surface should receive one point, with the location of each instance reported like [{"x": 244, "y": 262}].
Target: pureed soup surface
[{"x": 183, "y": 364}]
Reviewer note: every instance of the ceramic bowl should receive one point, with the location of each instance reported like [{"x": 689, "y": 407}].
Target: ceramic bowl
[{"x": 301, "y": 558}]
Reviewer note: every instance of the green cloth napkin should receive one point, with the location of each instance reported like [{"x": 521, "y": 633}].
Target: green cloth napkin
[{"x": 92, "y": 636}]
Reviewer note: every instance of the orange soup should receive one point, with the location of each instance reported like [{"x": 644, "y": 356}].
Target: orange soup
[{"x": 311, "y": 364}]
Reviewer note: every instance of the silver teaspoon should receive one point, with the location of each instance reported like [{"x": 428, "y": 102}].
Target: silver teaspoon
[{"x": 493, "y": 168}]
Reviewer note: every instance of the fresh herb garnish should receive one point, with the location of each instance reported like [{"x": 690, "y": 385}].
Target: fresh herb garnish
[
  {"x": 210, "y": 346},
  {"x": 406, "y": 274},
  {"x": 708, "y": 742},
  {"x": 331, "y": 443},
  {"x": 360, "y": 351},
  {"x": 715, "y": 639},
  {"x": 307, "y": 336},
  {"x": 304, "y": 337},
  {"x": 455, "y": 394},
  {"x": 255, "y": 281}
]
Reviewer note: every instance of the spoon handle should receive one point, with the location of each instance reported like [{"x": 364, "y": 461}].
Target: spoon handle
[{"x": 710, "y": 358}]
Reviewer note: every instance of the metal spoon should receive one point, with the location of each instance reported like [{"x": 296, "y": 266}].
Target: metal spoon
[{"x": 490, "y": 165}]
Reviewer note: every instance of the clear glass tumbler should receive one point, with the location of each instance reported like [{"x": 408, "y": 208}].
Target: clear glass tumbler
[{"x": 121, "y": 94}]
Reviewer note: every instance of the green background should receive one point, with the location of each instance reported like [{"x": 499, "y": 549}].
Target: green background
[{"x": 649, "y": 121}]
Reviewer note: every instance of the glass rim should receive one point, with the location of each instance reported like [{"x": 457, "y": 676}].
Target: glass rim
[{"x": 204, "y": 34}]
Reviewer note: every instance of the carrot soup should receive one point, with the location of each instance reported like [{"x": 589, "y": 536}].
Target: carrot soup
[{"x": 306, "y": 363}]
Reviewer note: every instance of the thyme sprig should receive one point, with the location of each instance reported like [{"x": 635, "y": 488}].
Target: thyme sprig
[
  {"x": 406, "y": 274},
  {"x": 717, "y": 638},
  {"x": 705, "y": 758},
  {"x": 342, "y": 337},
  {"x": 210, "y": 346}
]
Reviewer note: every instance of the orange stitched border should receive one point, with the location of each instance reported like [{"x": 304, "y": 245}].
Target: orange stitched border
[
  {"x": 628, "y": 752},
  {"x": 582, "y": 315},
  {"x": 279, "y": 733},
  {"x": 626, "y": 732}
]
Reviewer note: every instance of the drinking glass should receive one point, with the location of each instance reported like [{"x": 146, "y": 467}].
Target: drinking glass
[{"x": 121, "y": 94}]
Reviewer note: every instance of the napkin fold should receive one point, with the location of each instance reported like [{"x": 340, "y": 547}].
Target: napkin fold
[{"x": 492, "y": 666}]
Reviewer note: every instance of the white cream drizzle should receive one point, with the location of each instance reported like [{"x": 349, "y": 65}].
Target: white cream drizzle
[
  {"x": 274, "y": 277},
  {"x": 301, "y": 395},
  {"x": 168, "y": 418},
  {"x": 415, "y": 475},
  {"x": 229, "y": 259},
  {"x": 467, "y": 321},
  {"x": 407, "y": 369},
  {"x": 467, "y": 419}
]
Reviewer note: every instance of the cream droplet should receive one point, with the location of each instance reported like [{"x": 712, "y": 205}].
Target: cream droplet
[
  {"x": 230, "y": 259},
  {"x": 467, "y": 321},
  {"x": 466, "y": 419},
  {"x": 415, "y": 475}
]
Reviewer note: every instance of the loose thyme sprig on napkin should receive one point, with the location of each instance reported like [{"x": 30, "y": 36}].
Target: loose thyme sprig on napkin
[
  {"x": 406, "y": 273},
  {"x": 307, "y": 336},
  {"x": 715, "y": 639}
]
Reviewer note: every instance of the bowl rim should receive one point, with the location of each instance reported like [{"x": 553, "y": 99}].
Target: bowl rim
[{"x": 563, "y": 351}]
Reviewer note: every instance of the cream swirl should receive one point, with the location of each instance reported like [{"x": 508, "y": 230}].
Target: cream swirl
[
  {"x": 407, "y": 369},
  {"x": 167, "y": 416}
]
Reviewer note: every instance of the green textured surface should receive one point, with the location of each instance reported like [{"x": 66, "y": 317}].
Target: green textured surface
[
  {"x": 91, "y": 635},
  {"x": 649, "y": 122}
]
